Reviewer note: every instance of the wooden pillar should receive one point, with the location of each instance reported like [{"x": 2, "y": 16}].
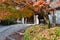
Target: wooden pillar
[
  {"x": 36, "y": 21},
  {"x": 23, "y": 20}
]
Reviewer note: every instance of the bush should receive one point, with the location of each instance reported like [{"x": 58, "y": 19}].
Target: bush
[
  {"x": 38, "y": 32},
  {"x": 49, "y": 34},
  {"x": 32, "y": 31},
  {"x": 8, "y": 22}
]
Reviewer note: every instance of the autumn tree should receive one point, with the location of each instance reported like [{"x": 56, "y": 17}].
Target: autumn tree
[
  {"x": 9, "y": 12},
  {"x": 26, "y": 8},
  {"x": 13, "y": 4},
  {"x": 43, "y": 5}
]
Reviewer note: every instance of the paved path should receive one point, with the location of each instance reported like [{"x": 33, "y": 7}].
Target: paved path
[{"x": 7, "y": 30}]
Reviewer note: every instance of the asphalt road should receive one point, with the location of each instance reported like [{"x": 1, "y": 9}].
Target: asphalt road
[{"x": 8, "y": 30}]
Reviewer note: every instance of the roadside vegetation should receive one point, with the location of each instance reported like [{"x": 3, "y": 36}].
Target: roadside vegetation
[{"x": 42, "y": 32}]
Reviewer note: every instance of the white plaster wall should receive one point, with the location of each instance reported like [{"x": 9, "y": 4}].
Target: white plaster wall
[{"x": 57, "y": 13}]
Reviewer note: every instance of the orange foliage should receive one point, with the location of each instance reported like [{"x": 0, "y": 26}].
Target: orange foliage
[
  {"x": 41, "y": 4},
  {"x": 36, "y": 9},
  {"x": 2, "y": 0},
  {"x": 4, "y": 15},
  {"x": 17, "y": 1},
  {"x": 25, "y": 8}
]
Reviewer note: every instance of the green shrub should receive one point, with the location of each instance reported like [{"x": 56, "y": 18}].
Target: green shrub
[
  {"x": 38, "y": 32},
  {"x": 8, "y": 22},
  {"x": 32, "y": 31}
]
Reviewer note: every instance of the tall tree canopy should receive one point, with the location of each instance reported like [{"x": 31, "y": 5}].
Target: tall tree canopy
[
  {"x": 8, "y": 12},
  {"x": 26, "y": 8},
  {"x": 8, "y": 9}
]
